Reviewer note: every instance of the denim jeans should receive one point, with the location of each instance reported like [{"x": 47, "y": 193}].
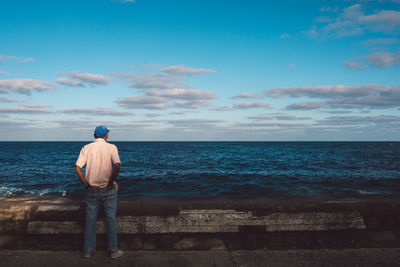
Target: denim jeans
[{"x": 92, "y": 201}]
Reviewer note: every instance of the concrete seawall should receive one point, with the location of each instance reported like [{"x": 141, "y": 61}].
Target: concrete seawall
[{"x": 204, "y": 223}]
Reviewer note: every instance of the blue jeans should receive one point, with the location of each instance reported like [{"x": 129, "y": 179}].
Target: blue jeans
[{"x": 92, "y": 201}]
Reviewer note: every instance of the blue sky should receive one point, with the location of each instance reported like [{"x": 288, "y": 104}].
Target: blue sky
[{"x": 200, "y": 70}]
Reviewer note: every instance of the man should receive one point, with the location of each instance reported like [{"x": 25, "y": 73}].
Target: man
[{"x": 99, "y": 158}]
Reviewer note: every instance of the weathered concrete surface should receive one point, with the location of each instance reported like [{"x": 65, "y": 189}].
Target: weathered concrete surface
[
  {"x": 209, "y": 223},
  {"x": 280, "y": 258}
]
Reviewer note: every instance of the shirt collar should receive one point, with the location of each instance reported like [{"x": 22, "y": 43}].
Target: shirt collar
[{"x": 100, "y": 140}]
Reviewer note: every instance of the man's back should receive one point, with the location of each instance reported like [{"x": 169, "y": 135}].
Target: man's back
[{"x": 99, "y": 156}]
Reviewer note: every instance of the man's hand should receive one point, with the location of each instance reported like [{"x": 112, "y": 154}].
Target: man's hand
[
  {"x": 113, "y": 176},
  {"x": 82, "y": 178},
  {"x": 89, "y": 188},
  {"x": 110, "y": 186}
]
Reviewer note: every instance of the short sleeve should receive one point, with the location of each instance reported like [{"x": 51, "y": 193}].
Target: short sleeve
[
  {"x": 82, "y": 159},
  {"x": 114, "y": 155}
]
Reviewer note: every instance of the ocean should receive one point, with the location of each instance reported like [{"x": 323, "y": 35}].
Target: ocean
[{"x": 210, "y": 168}]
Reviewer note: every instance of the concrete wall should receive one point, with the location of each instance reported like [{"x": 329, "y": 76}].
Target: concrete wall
[{"x": 208, "y": 223}]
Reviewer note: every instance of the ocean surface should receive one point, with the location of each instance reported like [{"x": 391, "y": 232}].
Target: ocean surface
[{"x": 210, "y": 168}]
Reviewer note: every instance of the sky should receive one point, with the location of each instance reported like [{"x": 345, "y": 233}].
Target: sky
[{"x": 156, "y": 70}]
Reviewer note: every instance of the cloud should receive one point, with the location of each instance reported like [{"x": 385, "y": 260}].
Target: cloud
[
  {"x": 32, "y": 109},
  {"x": 197, "y": 123},
  {"x": 354, "y": 65},
  {"x": 383, "y": 60},
  {"x": 376, "y": 60},
  {"x": 98, "y": 111},
  {"x": 166, "y": 78},
  {"x": 352, "y": 21},
  {"x": 380, "y": 41},
  {"x": 285, "y": 36},
  {"x": 124, "y": 1},
  {"x": 305, "y": 106},
  {"x": 277, "y": 116},
  {"x": 153, "y": 115},
  {"x": 249, "y": 105},
  {"x": 142, "y": 102},
  {"x": 221, "y": 108},
  {"x": 387, "y": 121},
  {"x": 152, "y": 80},
  {"x": 16, "y": 59},
  {"x": 165, "y": 89},
  {"x": 186, "y": 70},
  {"x": 8, "y": 73},
  {"x": 162, "y": 99},
  {"x": 8, "y": 100},
  {"x": 247, "y": 96},
  {"x": 25, "y": 110},
  {"x": 340, "y": 111},
  {"x": 188, "y": 94},
  {"x": 70, "y": 82},
  {"x": 340, "y": 96},
  {"x": 25, "y": 86},
  {"x": 28, "y": 105},
  {"x": 79, "y": 79},
  {"x": 191, "y": 104}
]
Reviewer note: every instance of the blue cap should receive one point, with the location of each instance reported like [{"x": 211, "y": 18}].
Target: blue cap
[{"x": 101, "y": 131}]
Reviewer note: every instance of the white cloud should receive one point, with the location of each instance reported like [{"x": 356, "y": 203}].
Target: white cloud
[
  {"x": 98, "y": 111},
  {"x": 28, "y": 105},
  {"x": 248, "y": 105},
  {"x": 341, "y": 96},
  {"x": 353, "y": 21},
  {"x": 380, "y": 41},
  {"x": 25, "y": 86},
  {"x": 167, "y": 77},
  {"x": 152, "y": 80},
  {"x": 191, "y": 104},
  {"x": 162, "y": 99},
  {"x": 142, "y": 102},
  {"x": 221, "y": 108},
  {"x": 306, "y": 105},
  {"x": 354, "y": 65},
  {"x": 186, "y": 70},
  {"x": 188, "y": 94},
  {"x": 195, "y": 123},
  {"x": 247, "y": 96},
  {"x": 165, "y": 89},
  {"x": 8, "y": 73},
  {"x": 16, "y": 59},
  {"x": 383, "y": 60},
  {"x": 277, "y": 116},
  {"x": 375, "y": 60},
  {"x": 70, "y": 82},
  {"x": 285, "y": 36},
  {"x": 79, "y": 79},
  {"x": 124, "y": 1},
  {"x": 153, "y": 115},
  {"x": 25, "y": 110},
  {"x": 8, "y": 100}
]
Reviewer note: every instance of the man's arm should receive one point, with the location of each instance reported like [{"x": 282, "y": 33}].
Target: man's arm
[
  {"x": 114, "y": 174},
  {"x": 78, "y": 171}
]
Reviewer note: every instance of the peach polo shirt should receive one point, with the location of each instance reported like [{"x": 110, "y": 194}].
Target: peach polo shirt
[{"x": 99, "y": 157}]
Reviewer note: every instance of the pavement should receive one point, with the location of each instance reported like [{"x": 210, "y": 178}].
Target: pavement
[{"x": 312, "y": 257}]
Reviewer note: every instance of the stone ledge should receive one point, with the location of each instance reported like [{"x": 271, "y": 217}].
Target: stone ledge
[{"x": 235, "y": 222}]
